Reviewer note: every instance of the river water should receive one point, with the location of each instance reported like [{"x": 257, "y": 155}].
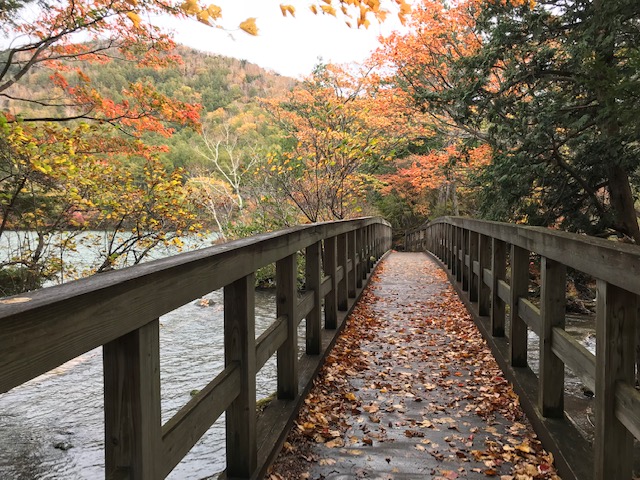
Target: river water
[{"x": 53, "y": 426}]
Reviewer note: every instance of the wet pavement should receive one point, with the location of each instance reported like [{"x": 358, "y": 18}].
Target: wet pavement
[{"x": 423, "y": 399}]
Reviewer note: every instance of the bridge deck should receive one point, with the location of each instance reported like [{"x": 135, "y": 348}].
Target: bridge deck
[{"x": 411, "y": 391}]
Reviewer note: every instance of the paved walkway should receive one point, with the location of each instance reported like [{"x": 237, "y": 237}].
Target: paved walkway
[{"x": 411, "y": 391}]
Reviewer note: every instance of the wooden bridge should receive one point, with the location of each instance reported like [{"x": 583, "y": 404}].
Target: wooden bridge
[{"x": 489, "y": 262}]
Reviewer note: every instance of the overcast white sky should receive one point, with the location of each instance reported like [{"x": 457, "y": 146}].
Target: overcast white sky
[{"x": 289, "y": 46}]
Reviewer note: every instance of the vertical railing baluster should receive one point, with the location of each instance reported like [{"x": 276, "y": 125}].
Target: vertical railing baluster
[
  {"x": 240, "y": 347},
  {"x": 286, "y": 301},
  {"x": 519, "y": 259},
  {"x": 473, "y": 257},
  {"x": 464, "y": 246},
  {"x": 616, "y": 316},
  {"x": 498, "y": 272},
  {"x": 331, "y": 269},
  {"x": 484, "y": 262},
  {"x": 458, "y": 262},
  {"x": 450, "y": 255},
  {"x": 552, "y": 314},
  {"x": 133, "y": 432},
  {"x": 359, "y": 257},
  {"x": 313, "y": 279},
  {"x": 351, "y": 277},
  {"x": 343, "y": 257}
]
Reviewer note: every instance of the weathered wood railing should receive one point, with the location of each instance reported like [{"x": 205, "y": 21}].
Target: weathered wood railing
[
  {"x": 479, "y": 255},
  {"x": 120, "y": 310}
]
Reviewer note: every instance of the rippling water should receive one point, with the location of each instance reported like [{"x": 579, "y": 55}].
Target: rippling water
[{"x": 52, "y": 427}]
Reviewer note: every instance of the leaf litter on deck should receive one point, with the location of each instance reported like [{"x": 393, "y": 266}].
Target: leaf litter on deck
[{"x": 411, "y": 388}]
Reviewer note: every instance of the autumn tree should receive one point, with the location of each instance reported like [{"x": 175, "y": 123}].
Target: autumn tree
[
  {"x": 53, "y": 136},
  {"x": 418, "y": 65},
  {"x": 335, "y": 124},
  {"x": 551, "y": 88}
]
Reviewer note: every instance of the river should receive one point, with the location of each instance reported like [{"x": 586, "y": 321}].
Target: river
[{"x": 53, "y": 426}]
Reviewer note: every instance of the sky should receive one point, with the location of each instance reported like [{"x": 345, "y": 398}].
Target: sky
[{"x": 289, "y": 46}]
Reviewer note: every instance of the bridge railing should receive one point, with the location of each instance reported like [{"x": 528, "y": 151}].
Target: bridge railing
[
  {"x": 120, "y": 310},
  {"x": 490, "y": 261}
]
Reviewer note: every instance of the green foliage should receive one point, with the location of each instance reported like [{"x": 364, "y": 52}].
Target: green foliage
[
  {"x": 553, "y": 88},
  {"x": 14, "y": 280}
]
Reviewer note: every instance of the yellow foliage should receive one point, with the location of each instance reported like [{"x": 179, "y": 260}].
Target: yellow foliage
[
  {"x": 328, "y": 9},
  {"x": 215, "y": 12},
  {"x": 135, "y": 19},
  {"x": 190, "y": 7},
  {"x": 249, "y": 26},
  {"x": 287, "y": 9}
]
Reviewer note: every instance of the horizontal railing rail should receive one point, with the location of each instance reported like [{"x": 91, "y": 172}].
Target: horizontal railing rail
[
  {"x": 490, "y": 261},
  {"x": 120, "y": 311}
]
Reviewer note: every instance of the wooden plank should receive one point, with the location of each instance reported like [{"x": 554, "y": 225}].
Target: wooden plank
[
  {"x": 360, "y": 262},
  {"x": 339, "y": 276},
  {"x": 464, "y": 256},
  {"x": 484, "y": 287},
  {"x": 286, "y": 302},
  {"x": 498, "y": 274},
  {"x": 476, "y": 267},
  {"x": 351, "y": 277},
  {"x": 615, "y": 262},
  {"x": 343, "y": 265},
  {"x": 519, "y": 261},
  {"x": 473, "y": 263},
  {"x": 628, "y": 408},
  {"x": 616, "y": 312},
  {"x": 270, "y": 341},
  {"x": 487, "y": 277},
  {"x": 326, "y": 286},
  {"x": 504, "y": 291},
  {"x": 313, "y": 278},
  {"x": 132, "y": 403},
  {"x": 575, "y": 356},
  {"x": 552, "y": 314},
  {"x": 186, "y": 427},
  {"x": 57, "y": 324},
  {"x": 240, "y": 348},
  {"x": 329, "y": 289},
  {"x": 305, "y": 305},
  {"x": 530, "y": 314}
]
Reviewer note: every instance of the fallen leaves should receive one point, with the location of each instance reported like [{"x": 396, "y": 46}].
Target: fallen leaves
[{"x": 416, "y": 370}]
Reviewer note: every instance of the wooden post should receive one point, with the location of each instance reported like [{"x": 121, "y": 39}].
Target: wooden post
[
  {"x": 519, "y": 288},
  {"x": 343, "y": 255},
  {"x": 330, "y": 268},
  {"x": 367, "y": 251},
  {"x": 240, "y": 347},
  {"x": 473, "y": 257},
  {"x": 359, "y": 258},
  {"x": 484, "y": 290},
  {"x": 464, "y": 246},
  {"x": 331, "y": 298},
  {"x": 450, "y": 255},
  {"x": 499, "y": 272},
  {"x": 351, "y": 275},
  {"x": 313, "y": 279},
  {"x": 616, "y": 313},
  {"x": 286, "y": 298},
  {"x": 552, "y": 314},
  {"x": 133, "y": 422},
  {"x": 457, "y": 263}
]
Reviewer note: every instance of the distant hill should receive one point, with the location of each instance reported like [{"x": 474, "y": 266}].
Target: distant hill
[{"x": 214, "y": 81}]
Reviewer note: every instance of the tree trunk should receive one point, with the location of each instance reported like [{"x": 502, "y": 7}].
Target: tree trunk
[{"x": 623, "y": 203}]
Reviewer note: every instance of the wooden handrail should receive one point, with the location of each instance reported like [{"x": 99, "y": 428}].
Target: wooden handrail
[
  {"x": 475, "y": 252},
  {"x": 120, "y": 310}
]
